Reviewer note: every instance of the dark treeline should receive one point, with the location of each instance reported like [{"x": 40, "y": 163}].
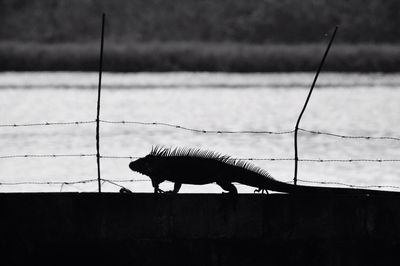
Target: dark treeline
[
  {"x": 244, "y": 21},
  {"x": 200, "y": 35}
]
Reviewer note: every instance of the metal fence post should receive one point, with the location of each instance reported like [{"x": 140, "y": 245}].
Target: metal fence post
[
  {"x": 296, "y": 157},
  {"x": 98, "y": 104}
]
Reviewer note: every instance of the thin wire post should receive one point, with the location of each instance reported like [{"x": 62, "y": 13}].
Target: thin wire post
[
  {"x": 296, "y": 157},
  {"x": 98, "y": 104}
]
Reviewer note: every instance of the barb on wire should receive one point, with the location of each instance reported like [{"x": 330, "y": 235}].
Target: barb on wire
[
  {"x": 45, "y": 155},
  {"x": 49, "y": 124},
  {"x": 199, "y": 130},
  {"x": 348, "y": 136}
]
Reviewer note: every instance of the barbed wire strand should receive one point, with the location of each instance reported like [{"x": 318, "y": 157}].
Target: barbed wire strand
[
  {"x": 119, "y": 157},
  {"x": 300, "y": 180},
  {"x": 45, "y": 155},
  {"x": 315, "y": 132},
  {"x": 251, "y": 131},
  {"x": 244, "y": 159},
  {"x": 129, "y": 180},
  {"x": 49, "y": 124},
  {"x": 198, "y": 130},
  {"x": 347, "y": 185},
  {"x": 280, "y": 159},
  {"x": 349, "y": 160},
  {"x": 348, "y": 136},
  {"x": 84, "y": 181},
  {"x": 112, "y": 182},
  {"x": 116, "y": 181}
]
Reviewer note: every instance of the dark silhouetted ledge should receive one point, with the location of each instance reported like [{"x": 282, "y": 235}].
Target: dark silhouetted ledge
[{"x": 198, "y": 229}]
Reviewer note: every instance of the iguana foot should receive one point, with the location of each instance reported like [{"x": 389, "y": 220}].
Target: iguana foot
[
  {"x": 261, "y": 190},
  {"x": 228, "y": 187}
]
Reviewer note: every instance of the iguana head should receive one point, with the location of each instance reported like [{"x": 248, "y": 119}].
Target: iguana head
[{"x": 142, "y": 165}]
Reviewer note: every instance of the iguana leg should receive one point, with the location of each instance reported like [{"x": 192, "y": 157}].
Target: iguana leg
[
  {"x": 228, "y": 187},
  {"x": 177, "y": 186},
  {"x": 156, "y": 187},
  {"x": 158, "y": 190}
]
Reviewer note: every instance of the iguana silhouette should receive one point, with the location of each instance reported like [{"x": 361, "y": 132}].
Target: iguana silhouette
[{"x": 198, "y": 167}]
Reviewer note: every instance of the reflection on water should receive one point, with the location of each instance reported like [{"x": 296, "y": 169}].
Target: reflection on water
[{"x": 349, "y": 104}]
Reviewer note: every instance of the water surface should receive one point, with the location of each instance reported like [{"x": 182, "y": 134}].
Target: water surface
[{"x": 347, "y": 104}]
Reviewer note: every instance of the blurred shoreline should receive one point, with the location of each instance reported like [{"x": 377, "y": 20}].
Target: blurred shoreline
[{"x": 197, "y": 56}]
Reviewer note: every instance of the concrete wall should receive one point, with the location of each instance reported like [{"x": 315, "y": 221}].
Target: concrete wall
[{"x": 198, "y": 229}]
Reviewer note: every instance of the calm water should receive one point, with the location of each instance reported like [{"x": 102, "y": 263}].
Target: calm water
[{"x": 348, "y": 104}]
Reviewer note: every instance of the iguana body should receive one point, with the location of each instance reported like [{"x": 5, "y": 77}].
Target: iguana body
[{"x": 188, "y": 166}]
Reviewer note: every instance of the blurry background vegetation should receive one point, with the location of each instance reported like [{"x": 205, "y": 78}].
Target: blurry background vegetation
[{"x": 200, "y": 35}]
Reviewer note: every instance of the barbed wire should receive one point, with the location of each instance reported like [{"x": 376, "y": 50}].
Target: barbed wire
[
  {"x": 348, "y": 160},
  {"x": 243, "y": 159},
  {"x": 119, "y": 157},
  {"x": 84, "y": 181},
  {"x": 199, "y": 130},
  {"x": 49, "y": 124},
  {"x": 129, "y": 180},
  {"x": 348, "y": 136},
  {"x": 347, "y": 185},
  {"x": 205, "y": 131},
  {"x": 251, "y": 131},
  {"x": 280, "y": 159},
  {"x": 116, "y": 181},
  {"x": 301, "y": 180},
  {"x": 46, "y": 155}
]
